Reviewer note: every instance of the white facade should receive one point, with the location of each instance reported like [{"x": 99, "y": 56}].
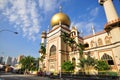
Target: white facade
[{"x": 103, "y": 45}]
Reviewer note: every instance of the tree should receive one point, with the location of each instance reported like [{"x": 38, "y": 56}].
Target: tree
[
  {"x": 68, "y": 66},
  {"x": 82, "y": 64},
  {"x": 90, "y": 61},
  {"x": 43, "y": 53},
  {"x": 102, "y": 65},
  {"x": 65, "y": 36},
  {"x": 29, "y": 63},
  {"x": 35, "y": 65},
  {"x": 87, "y": 63},
  {"x": 80, "y": 49},
  {"x": 68, "y": 40}
]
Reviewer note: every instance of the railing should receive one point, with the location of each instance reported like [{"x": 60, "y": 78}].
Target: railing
[{"x": 84, "y": 77}]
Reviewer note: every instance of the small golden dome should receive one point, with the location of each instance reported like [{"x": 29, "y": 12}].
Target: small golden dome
[{"x": 60, "y": 18}]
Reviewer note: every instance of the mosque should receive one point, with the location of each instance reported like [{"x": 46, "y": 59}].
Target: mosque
[{"x": 103, "y": 45}]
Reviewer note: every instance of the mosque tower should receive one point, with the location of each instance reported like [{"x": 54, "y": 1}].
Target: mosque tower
[
  {"x": 43, "y": 38},
  {"x": 113, "y": 21},
  {"x": 112, "y": 27},
  {"x": 56, "y": 49}
]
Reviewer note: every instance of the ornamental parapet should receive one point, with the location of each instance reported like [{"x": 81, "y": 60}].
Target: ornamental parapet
[{"x": 112, "y": 24}]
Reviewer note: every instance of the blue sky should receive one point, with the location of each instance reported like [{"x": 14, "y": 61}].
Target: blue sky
[{"x": 30, "y": 17}]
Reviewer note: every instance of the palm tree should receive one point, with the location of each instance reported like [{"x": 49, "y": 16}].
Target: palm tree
[
  {"x": 43, "y": 53},
  {"x": 65, "y": 36},
  {"x": 87, "y": 63},
  {"x": 80, "y": 49},
  {"x": 68, "y": 40},
  {"x": 82, "y": 64},
  {"x": 72, "y": 43},
  {"x": 27, "y": 62}
]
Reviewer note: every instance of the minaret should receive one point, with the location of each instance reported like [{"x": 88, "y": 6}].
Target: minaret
[
  {"x": 43, "y": 37},
  {"x": 113, "y": 21},
  {"x": 110, "y": 11},
  {"x": 113, "y": 29}
]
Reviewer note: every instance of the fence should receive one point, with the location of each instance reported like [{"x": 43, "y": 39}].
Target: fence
[{"x": 70, "y": 76}]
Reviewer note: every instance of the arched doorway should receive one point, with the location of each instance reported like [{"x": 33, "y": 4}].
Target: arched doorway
[
  {"x": 74, "y": 61},
  {"x": 52, "y": 58},
  {"x": 108, "y": 59}
]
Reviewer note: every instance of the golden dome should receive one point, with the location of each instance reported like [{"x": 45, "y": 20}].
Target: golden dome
[{"x": 60, "y": 18}]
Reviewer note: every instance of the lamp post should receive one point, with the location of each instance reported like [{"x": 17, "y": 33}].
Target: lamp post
[{"x": 8, "y": 31}]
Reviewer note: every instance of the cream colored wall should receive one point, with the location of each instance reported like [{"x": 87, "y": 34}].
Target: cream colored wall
[
  {"x": 95, "y": 39},
  {"x": 110, "y": 11},
  {"x": 115, "y": 33},
  {"x": 109, "y": 52},
  {"x": 113, "y": 50},
  {"x": 54, "y": 38},
  {"x": 111, "y": 14},
  {"x": 76, "y": 56}
]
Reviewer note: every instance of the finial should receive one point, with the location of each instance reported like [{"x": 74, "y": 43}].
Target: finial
[
  {"x": 59, "y": 22},
  {"x": 48, "y": 29},
  {"x": 60, "y": 8},
  {"x": 93, "y": 29},
  {"x": 81, "y": 32}
]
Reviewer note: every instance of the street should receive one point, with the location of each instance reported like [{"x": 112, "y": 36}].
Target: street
[{"x": 11, "y": 76}]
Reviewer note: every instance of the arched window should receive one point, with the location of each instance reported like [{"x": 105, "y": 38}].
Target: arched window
[
  {"x": 108, "y": 59},
  {"x": 92, "y": 43},
  {"x": 74, "y": 61},
  {"x": 100, "y": 42},
  {"x": 86, "y": 45},
  {"x": 73, "y": 33},
  {"x": 52, "y": 50},
  {"x": 107, "y": 40}
]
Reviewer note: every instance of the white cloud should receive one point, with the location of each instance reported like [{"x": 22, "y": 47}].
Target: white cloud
[
  {"x": 3, "y": 3},
  {"x": 85, "y": 27},
  {"x": 48, "y": 5},
  {"x": 94, "y": 11},
  {"x": 23, "y": 13},
  {"x": 27, "y": 15},
  {"x": 90, "y": 15}
]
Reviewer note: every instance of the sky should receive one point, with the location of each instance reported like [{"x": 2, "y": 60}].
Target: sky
[{"x": 30, "y": 17}]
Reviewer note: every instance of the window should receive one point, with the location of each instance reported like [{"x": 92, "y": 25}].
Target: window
[
  {"x": 52, "y": 50},
  {"x": 92, "y": 44},
  {"x": 73, "y": 33},
  {"x": 107, "y": 40},
  {"x": 74, "y": 61},
  {"x": 100, "y": 42},
  {"x": 108, "y": 59}
]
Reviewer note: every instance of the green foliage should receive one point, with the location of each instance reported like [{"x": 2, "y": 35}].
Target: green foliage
[
  {"x": 90, "y": 61},
  {"x": 86, "y": 63},
  {"x": 29, "y": 63},
  {"x": 80, "y": 48},
  {"x": 43, "y": 52},
  {"x": 68, "y": 40},
  {"x": 43, "y": 49},
  {"x": 68, "y": 66},
  {"x": 109, "y": 73},
  {"x": 102, "y": 65},
  {"x": 82, "y": 63}
]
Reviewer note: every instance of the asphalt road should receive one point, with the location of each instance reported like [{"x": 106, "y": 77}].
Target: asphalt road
[{"x": 11, "y": 76}]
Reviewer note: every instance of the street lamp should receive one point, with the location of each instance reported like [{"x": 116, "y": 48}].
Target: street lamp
[{"x": 8, "y": 31}]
